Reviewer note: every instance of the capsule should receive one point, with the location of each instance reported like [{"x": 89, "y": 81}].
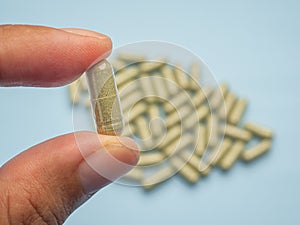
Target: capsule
[
  {"x": 258, "y": 130},
  {"x": 142, "y": 127},
  {"x": 221, "y": 150},
  {"x": 176, "y": 101},
  {"x": 181, "y": 77},
  {"x": 225, "y": 111},
  {"x": 192, "y": 121},
  {"x": 172, "y": 134},
  {"x": 171, "y": 148},
  {"x": 170, "y": 82},
  {"x": 195, "y": 76},
  {"x": 204, "y": 168},
  {"x": 212, "y": 130},
  {"x": 124, "y": 76},
  {"x": 219, "y": 94},
  {"x": 159, "y": 87},
  {"x": 232, "y": 155},
  {"x": 130, "y": 57},
  {"x": 177, "y": 116},
  {"x": 175, "y": 147},
  {"x": 157, "y": 177},
  {"x": 150, "y": 66},
  {"x": 150, "y": 158},
  {"x": 237, "y": 133},
  {"x": 118, "y": 65},
  {"x": 130, "y": 100},
  {"x": 136, "y": 111},
  {"x": 156, "y": 124},
  {"x": 201, "y": 141},
  {"x": 237, "y": 111},
  {"x": 200, "y": 96},
  {"x": 128, "y": 89},
  {"x": 105, "y": 99},
  {"x": 256, "y": 151},
  {"x": 185, "y": 170},
  {"x": 147, "y": 87},
  {"x": 195, "y": 162}
]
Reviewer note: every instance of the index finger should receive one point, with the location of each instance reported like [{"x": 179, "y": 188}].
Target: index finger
[{"x": 46, "y": 57}]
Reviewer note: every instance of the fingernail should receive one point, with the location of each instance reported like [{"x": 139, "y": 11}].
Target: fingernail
[
  {"x": 87, "y": 33},
  {"x": 106, "y": 165}
]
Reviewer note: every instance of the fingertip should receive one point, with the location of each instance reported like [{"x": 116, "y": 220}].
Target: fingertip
[
  {"x": 108, "y": 164},
  {"x": 84, "y": 32},
  {"x": 49, "y": 57}
]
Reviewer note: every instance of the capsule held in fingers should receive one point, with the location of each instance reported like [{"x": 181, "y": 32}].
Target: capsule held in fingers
[{"x": 105, "y": 99}]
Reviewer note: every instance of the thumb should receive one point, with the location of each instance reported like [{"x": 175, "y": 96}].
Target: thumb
[{"x": 46, "y": 183}]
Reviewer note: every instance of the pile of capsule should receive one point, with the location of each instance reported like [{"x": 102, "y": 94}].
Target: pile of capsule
[{"x": 182, "y": 126}]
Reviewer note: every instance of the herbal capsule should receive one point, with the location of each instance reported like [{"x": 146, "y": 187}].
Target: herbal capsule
[
  {"x": 218, "y": 95},
  {"x": 172, "y": 134},
  {"x": 118, "y": 65},
  {"x": 127, "y": 89},
  {"x": 156, "y": 125},
  {"x": 191, "y": 159},
  {"x": 130, "y": 100},
  {"x": 195, "y": 76},
  {"x": 193, "y": 121},
  {"x": 237, "y": 111},
  {"x": 201, "y": 141},
  {"x": 142, "y": 127},
  {"x": 204, "y": 168},
  {"x": 126, "y": 75},
  {"x": 212, "y": 130},
  {"x": 238, "y": 133},
  {"x": 158, "y": 177},
  {"x": 225, "y": 111},
  {"x": 175, "y": 147},
  {"x": 151, "y": 65},
  {"x": 105, "y": 99},
  {"x": 159, "y": 87},
  {"x": 150, "y": 158},
  {"x": 176, "y": 101},
  {"x": 130, "y": 57},
  {"x": 258, "y": 130},
  {"x": 202, "y": 112},
  {"x": 181, "y": 77},
  {"x": 257, "y": 150},
  {"x": 170, "y": 82},
  {"x": 221, "y": 150},
  {"x": 185, "y": 170},
  {"x": 177, "y": 116},
  {"x": 147, "y": 87},
  {"x": 232, "y": 155},
  {"x": 138, "y": 109}
]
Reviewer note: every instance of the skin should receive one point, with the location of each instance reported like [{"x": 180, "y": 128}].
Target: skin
[{"x": 42, "y": 185}]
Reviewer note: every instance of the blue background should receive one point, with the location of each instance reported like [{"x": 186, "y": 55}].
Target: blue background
[{"x": 253, "y": 45}]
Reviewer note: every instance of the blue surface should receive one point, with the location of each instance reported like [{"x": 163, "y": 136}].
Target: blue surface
[{"x": 253, "y": 45}]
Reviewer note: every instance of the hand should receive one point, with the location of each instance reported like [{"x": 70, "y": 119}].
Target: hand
[{"x": 46, "y": 183}]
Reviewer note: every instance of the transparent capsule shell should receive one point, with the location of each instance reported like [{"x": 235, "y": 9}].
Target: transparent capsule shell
[{"x": 104, "y": 98}]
